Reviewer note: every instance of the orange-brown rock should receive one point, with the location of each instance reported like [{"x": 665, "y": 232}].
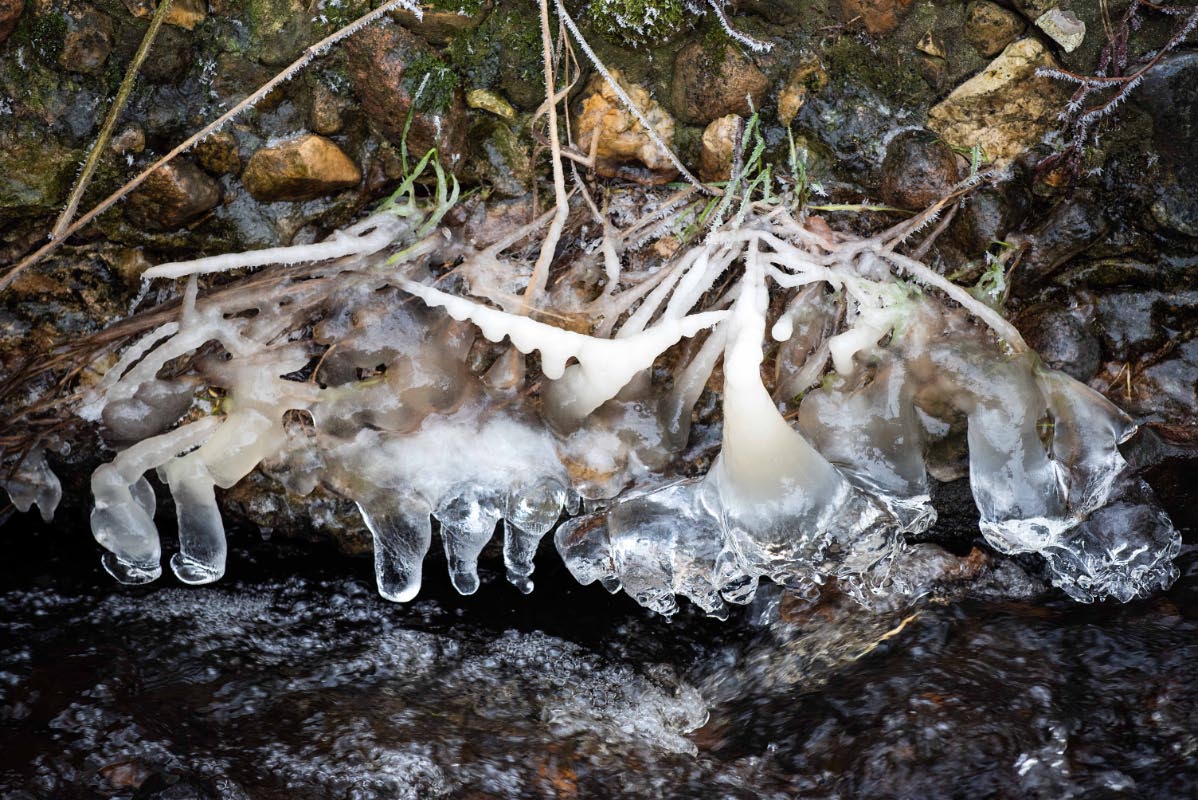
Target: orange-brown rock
[
  {"x": 173, "y": 195},
  {"x": 299, "y": 169},
  {"x": 719, "y": 143},
  {"x": 879, "y": 17},
  {"x": 621, "y": 144},
  {"x": 706, "y": 87}
]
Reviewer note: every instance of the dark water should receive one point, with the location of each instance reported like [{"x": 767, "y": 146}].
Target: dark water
[{"x": 291, "y": 679}]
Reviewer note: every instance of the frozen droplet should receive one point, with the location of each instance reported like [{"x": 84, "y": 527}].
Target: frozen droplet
[
  {"x": 33, "y": 483},
  {"x": 202, "y": 547},
  {"x": 530, "y": 514},
  {"x": 402, "y": 534},
  {"x": 468, "y": 516},
  {"x": 122, "y": 525}
]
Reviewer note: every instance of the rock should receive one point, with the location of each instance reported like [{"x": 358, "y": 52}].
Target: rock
[
  {"x": 87, "y": 43},
  {"x": 438, "y": 25},
  {"x": 324, "y": 116},
  {"x": 988, "y": 216},
  {"x": 1176, "y": 209},
  {"x": 918, "y": 170},
  {"x": 299, "y": 169},
  {"x": 37, "y": 171},
  {"x": 809, "y": 76},
  {"x": 130, "y": 139},
  {"x": 218, "y": 154},
  {"x": 1063, "y": 27},
  {"x": 989, "y": 27},
  {"x": 185, "y": 14},
  {"x": 1005, "y": 109},
  {"x": 707, "y": 87},
  {"x": 1170, "y": 95},
  {"x": 930, "y": 45},
  {"x": 878, "y": 16},
  {"x": 173, "y": 195},
  {"x": 719, "y": 143},
  {"x": 1067, "y": 230},
  {"x": 1062, "y": 339},
  {"x": 10, "y": 15},
  {"x": 486, "y": 100},
  {"x": 604, "y": 126},
  {"x": 378, "y": 62}
]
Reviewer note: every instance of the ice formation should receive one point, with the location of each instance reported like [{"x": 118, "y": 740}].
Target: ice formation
[{"x": 426, "y": 377}]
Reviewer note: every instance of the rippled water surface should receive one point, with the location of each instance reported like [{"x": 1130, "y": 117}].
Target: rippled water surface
[{"x": 310, "y": 686}]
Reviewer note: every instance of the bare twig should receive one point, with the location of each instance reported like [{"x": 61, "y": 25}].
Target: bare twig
[{"x": 295, "y": 66}]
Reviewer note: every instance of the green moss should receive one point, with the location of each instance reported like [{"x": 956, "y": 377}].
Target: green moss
[
  {"x": 850, "y": 61},
  {"x": 47, "y": 33},
  {"x": 438, "y": 90},
  {"x": 504, "y": 53},
  {"x": 638, "y": 22},
  {"x": 469, "y": 8}
]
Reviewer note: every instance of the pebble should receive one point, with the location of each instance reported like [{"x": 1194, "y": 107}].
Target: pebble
[
  {"x": 878, "y": 16},
  {"x": 705, "y": 88},
  {"x": 990, "y": 27},
  {"x": 10, "y": 15},
  {"x": 300, "y": 169},
  {"x": 918, "y": 170},
  {"x": 719, "y": 142},
  {"x": 173, "y": 195}
]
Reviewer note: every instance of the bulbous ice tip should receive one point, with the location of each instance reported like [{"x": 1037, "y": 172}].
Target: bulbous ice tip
[
  {"x": 194, "y": 572},
  {"x": 399, "y": 592},
  {"x": 520, "y": 581},
  {"x": 130, "y": 573}
]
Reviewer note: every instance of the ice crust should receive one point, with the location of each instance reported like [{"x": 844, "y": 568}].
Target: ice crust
[{"x": 365, "y": 377}]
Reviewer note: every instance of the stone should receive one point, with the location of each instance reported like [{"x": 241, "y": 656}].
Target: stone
[
  {"x": 1169, "y": 94},
  {"x": 324, "y": 116},
  {"x": 930, "y": 45},
  {"x": 808, "y": 77},
  {"x": 10, "y": 15},
  {"x": 1067, "y": 230},
  {"x": 218, "y": 154},
  {"x": 438, "y": 26},
  {"x": 130, "y": 139},
  {"x": 487, "y": 100},
  {"x": 1006, "y": 108},
  {"x": 377, "y": 63},
  {"x": 1063, "y": 27},
  {"x": 299, "y": 169},
  {"x": 185, "y": 14},
  {"x": 621, "y": 145},
  {"x": 918, "y": 170},
  {"x": 706, "y": 87},
  {"x": 87, "y": 42},
  {"x": 989, "y": 27},
  {"x": 719, "y": 144},
  {"x": 1062, "y": 338},
  {"x": 878, "y": 16},
  {"x": 172, "y": 196}
]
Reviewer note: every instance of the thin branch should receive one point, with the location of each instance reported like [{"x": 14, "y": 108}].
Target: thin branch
[
  {"x": 295, "y": 66},
  {"x": 114, "y": 113}
]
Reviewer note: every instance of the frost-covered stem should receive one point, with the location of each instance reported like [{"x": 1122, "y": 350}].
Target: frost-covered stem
[
  {"x": 114, "y": 113},
  {"x": 266, "y": 88},
  {"x": 926, "y": 275},
  {"x": 748, "y": 41},
  {"x": 540, "y": 272},
  {"x": 631, "y": 106}
]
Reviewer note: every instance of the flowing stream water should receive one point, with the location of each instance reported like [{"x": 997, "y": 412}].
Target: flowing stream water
[{"x": 293, "y": 679}]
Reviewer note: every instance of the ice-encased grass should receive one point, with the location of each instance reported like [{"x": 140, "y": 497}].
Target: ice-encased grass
[{"x": 362, "y": 369}]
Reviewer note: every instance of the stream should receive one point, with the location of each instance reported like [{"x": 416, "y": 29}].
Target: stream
[{"x": 291, "y": 678}]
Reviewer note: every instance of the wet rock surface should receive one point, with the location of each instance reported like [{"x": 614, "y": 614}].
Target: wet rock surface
[
  {"x": 709, "y": 85},
  {"x": 174, "y": 194}
]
